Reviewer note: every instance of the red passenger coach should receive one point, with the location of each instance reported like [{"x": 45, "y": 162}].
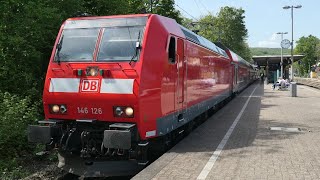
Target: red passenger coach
[
  {"x": 119, "y": 87},
  {"x": 243, "y": 72}
]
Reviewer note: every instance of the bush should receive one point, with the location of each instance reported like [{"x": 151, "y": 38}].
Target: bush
[{"x": 15, "y": 115}]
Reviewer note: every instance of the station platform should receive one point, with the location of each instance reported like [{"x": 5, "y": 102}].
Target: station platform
[{"x": 260, "y": 134}]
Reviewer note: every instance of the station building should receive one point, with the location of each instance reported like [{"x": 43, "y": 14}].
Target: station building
[{"x": 271, "y": 65}]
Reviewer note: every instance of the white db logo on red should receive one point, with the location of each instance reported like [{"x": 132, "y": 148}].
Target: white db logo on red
[{"x": 90, "y": 85}]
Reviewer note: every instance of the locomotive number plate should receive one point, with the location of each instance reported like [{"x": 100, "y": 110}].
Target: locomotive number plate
[{"x": 86, "y": 110}]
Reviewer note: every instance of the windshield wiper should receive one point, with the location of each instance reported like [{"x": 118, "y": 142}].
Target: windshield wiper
[
  {"x": 137, "y": 48},
  {"x": 59, "y": 46}
]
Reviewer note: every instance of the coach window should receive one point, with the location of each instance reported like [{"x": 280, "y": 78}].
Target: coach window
[{"x": 172, "y": 50}]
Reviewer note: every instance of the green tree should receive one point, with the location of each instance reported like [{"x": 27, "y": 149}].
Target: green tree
[
  {"x": 308, "y": 46},
  {"x": 25, "y": 46},
  {"x": 16, "y": 114},
  {"x": 268, "y": 51},
  {"x": 208, "y": 28},
  {"x": 187, "y": 23},
  {"x": 29, "y": 30},
  {"x": 318, "y": 51},
  {"x": 229, "y": 28},
  {"x": 246, "y": 53},
  {"x": 166, "y": 8},
  {"x": 104, "y": 8},
  {"x": 112, "y": 7},
  {"x": 137, "y": 6}
]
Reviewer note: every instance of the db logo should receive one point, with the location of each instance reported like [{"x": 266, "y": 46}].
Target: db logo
[{"x": 90, "y": 85}]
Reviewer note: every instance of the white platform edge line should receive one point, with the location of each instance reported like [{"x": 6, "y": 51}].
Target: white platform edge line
[{"x": 207, "y": 168}]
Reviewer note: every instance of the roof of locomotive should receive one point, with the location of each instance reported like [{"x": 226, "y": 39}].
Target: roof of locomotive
[
  {"x": 107, "y": 17},
  {"x": 202, "y": 41},
  {"x": 234, "y": 56}
]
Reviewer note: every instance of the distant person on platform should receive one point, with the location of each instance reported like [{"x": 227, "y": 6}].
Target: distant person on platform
[
  {"x": 281, "y": 83},
  {"x": 262, "y": 76},
  {"x": 276, "y": 83},
  {"x": 287, "y": 83}
]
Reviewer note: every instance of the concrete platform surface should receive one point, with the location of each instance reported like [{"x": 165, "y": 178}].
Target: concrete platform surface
[{"x": 260, "y": 134}]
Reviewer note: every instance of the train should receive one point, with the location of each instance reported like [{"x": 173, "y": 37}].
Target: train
[{"x": 118, "y": 88}]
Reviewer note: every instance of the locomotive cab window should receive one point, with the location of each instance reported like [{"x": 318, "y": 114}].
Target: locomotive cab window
[
  {"x": 121, "y": 43},
  {"x": 172, "y": 50},
  {"x": 115, "y": 39},
  {"x": 77, "y": 45}
]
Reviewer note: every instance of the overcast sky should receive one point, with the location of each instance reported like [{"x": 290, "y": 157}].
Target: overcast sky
[{"x": 263, "y": 18}]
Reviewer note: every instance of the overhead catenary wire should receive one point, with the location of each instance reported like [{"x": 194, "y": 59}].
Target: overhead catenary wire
[
  {"x": 185, "y": 11},
  {"x": 198, "y": 7},
  {"x": 204, "y": 6}
]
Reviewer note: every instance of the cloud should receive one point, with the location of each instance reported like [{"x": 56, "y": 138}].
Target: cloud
[
  {"x": 274, "y": 37},
  {"x": 272, "y": 42},
  {"x": 269, "y": 44}
]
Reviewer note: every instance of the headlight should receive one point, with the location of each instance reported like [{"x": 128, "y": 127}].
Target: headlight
[
  {"x": 58, "y": 108},
  {"x": 129, "y": 111},
  {"x": 63, "y": 109},
  {"x": 118, "y": 111},
  {"x": 55, "y": 108},
  {"x": 92, "y": 71},
  {"x": 123, "y": 111}
]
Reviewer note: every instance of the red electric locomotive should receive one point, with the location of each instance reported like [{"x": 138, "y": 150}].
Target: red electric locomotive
[{"x": 116, "y": 86}]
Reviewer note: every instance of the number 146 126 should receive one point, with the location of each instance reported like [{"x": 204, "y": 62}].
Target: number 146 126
[{"x": 85, "y": 110}]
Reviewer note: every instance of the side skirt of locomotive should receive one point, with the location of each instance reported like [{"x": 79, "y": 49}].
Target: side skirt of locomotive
[{"x": 172, "y": 122}]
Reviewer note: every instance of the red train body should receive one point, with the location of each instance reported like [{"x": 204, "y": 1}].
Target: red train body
[{"x": 117, "y": 84}]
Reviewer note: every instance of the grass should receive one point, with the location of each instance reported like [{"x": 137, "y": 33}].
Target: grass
[{"x": 26, "y": 165}]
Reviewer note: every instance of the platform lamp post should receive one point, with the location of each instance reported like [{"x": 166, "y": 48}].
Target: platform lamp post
[
  {"x": 281, "y": 63},
  {"x": 291, "y": 7}
]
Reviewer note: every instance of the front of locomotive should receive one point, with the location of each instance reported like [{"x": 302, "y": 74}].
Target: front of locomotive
[{"x": 91, "y": 99}]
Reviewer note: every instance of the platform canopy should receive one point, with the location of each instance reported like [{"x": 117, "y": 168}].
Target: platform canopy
[{"x": 274, "y": 59}]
